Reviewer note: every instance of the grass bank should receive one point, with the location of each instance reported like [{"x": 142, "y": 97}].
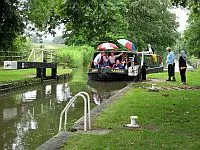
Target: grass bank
[
  {"x": 168, "y": 119},
  {"x": 192, "y": 77},
  {"x": 25, "y": 74}
]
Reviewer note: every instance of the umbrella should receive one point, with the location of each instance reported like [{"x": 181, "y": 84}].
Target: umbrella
[
  {"x": 105, "y": 46},
  {"x": 127, "y": 44}
]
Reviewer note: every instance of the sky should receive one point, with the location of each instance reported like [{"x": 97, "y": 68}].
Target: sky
[{"x": 181, "y": 16}]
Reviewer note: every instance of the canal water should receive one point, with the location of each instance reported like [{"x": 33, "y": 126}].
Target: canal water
[{"x": 30, "y": 116}]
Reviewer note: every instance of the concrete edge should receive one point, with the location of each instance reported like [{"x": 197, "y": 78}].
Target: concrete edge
[
  {"x": 55, "y": 142},
  {"x": 79, "y": 124}
]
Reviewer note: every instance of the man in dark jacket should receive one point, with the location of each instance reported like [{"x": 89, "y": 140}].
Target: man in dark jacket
[{"x": 182, "y": 66}]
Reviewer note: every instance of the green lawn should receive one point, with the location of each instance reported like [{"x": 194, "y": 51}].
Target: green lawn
[
  {"x": 23, "y": 74},
  {"x": 192, "y": 77},
  {"x": 168, "y": 120}
]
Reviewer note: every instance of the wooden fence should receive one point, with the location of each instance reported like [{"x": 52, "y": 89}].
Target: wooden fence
[{"x": 12, "y": 56}]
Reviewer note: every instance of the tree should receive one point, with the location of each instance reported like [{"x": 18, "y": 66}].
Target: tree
[
  {"x": 191, "y": 4},
  {"x": 192, "y": 34},
  {"x": 92, "y": 21},
  {"x": 11, "y": 23},
  {"x": 95, "y": 21},
  {"x": 146, "y": 25}
]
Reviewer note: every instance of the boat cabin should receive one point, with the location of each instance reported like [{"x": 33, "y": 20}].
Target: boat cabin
[{"x": 127, "y": 65}]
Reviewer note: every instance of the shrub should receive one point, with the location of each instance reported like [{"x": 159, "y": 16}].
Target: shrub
[{"x": 75, "y": 56}]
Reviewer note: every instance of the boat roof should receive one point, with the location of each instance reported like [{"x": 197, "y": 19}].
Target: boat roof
[{"x": 124, "y": 51}]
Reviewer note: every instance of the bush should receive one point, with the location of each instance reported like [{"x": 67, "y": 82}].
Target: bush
[{"x": 75, "y": 56}]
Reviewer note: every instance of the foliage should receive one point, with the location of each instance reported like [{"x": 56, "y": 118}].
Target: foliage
[
  {"x": 193, "y": 4},
  {"x": 11, "y": 23},
  {"x": 93, "y": 22},
  {"x": 75, "y": 56},
  {"x": 192, "y": 34},
  {"x": 22, "y": 44},
  {"x": 146, "y": 25},
  {"x": 39, "y": 11}
]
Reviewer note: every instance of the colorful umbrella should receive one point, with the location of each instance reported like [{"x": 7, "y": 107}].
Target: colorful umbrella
[
  {"x": 105, "y": 46},
  {"x": 127, "y": 44}
]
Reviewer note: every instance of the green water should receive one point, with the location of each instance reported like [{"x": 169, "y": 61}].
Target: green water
[{"x": 30, "y": 116}]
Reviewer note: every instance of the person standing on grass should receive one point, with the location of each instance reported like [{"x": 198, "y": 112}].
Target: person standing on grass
[
  {"x": 182, "y": 66},
  {"x": 170, "y": 64}
]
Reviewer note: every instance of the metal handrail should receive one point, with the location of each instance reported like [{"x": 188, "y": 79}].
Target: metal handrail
[
  {"x": 85, "y": 110},
  {"x": 88, "y": 98},
  {"x": 34, "y": 52}
]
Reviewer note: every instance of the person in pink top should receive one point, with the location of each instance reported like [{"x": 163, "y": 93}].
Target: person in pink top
[{"x": 113, "y": 57}]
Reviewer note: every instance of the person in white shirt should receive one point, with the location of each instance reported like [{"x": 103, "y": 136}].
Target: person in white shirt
[
  {"x": 150, "y": 49},
  {"x": 98, "y": 60}
]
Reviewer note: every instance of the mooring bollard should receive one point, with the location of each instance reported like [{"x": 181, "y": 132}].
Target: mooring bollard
[
  {"x": 153, "y": 88},
  {"x": 133, "y": 122}
]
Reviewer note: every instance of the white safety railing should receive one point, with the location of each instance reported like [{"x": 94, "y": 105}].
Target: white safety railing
[
  {"x": 86, "y": 104},
  {"x": 39, "y": 54}
]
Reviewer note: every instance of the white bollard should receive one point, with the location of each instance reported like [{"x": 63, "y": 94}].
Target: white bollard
[
  {"x": 133, "y": 122},
  {"x": 153, "y": 86}
]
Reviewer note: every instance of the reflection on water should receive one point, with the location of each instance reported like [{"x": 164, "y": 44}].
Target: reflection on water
[{"x": 29, "y": 117}]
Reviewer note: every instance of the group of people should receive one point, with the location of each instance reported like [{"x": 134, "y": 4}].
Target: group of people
[
  {"x": 103, "y": 61},
  {"x": 171, "y": 65}
]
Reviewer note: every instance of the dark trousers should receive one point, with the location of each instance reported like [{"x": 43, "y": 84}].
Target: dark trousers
[
  {"x": 182, "y": 73},
  {"x": 144, "y": 73},
  {"x": 171, "y": 70}
]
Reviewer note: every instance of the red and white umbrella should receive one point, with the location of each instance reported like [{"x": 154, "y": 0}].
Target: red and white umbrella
[{"x": 105, "y": 46}]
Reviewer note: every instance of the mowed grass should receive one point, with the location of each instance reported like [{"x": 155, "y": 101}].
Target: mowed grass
[
  {"x": 23, "y": 74},
  {"x": 192, "y": 78},
  {"x": 168, "y": 119}
]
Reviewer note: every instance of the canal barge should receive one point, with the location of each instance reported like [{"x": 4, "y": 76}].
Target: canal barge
[{"x": 137, "y": 65}]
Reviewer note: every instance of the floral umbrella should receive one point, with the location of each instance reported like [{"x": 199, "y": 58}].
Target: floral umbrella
[
  {"x": 127, "y": 44},
  {"x": 105, "y": 46}
]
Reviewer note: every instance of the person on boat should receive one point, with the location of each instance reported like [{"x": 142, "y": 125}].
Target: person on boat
[
  {"x": 170, "y": 64},
  {"x": 113, "y": 57},
  {"x": 182, "y": 66},
  {"x": 150, "y": 49},
  {"x": 118, "y": 65},
  {"x": 106, "y": 62},
  {"x": 98, "y": 60}
]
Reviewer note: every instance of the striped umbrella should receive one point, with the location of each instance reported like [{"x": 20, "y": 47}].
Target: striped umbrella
[
  {"x": 105, "y": 46},
  {"x": 127, "y": 44}
]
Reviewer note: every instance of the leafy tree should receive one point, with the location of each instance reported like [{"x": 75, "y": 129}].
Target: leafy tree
[
  {"x": 39, "y": 12},
  {"x": 11, "y": 23},
  {"x": 192, "y": 34},
  {"x": 151, "y": 22},
  {"x": 95, "y": 21},
  {"x": 91, "y": 21},
  {"x": 191, "y": 4}
]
